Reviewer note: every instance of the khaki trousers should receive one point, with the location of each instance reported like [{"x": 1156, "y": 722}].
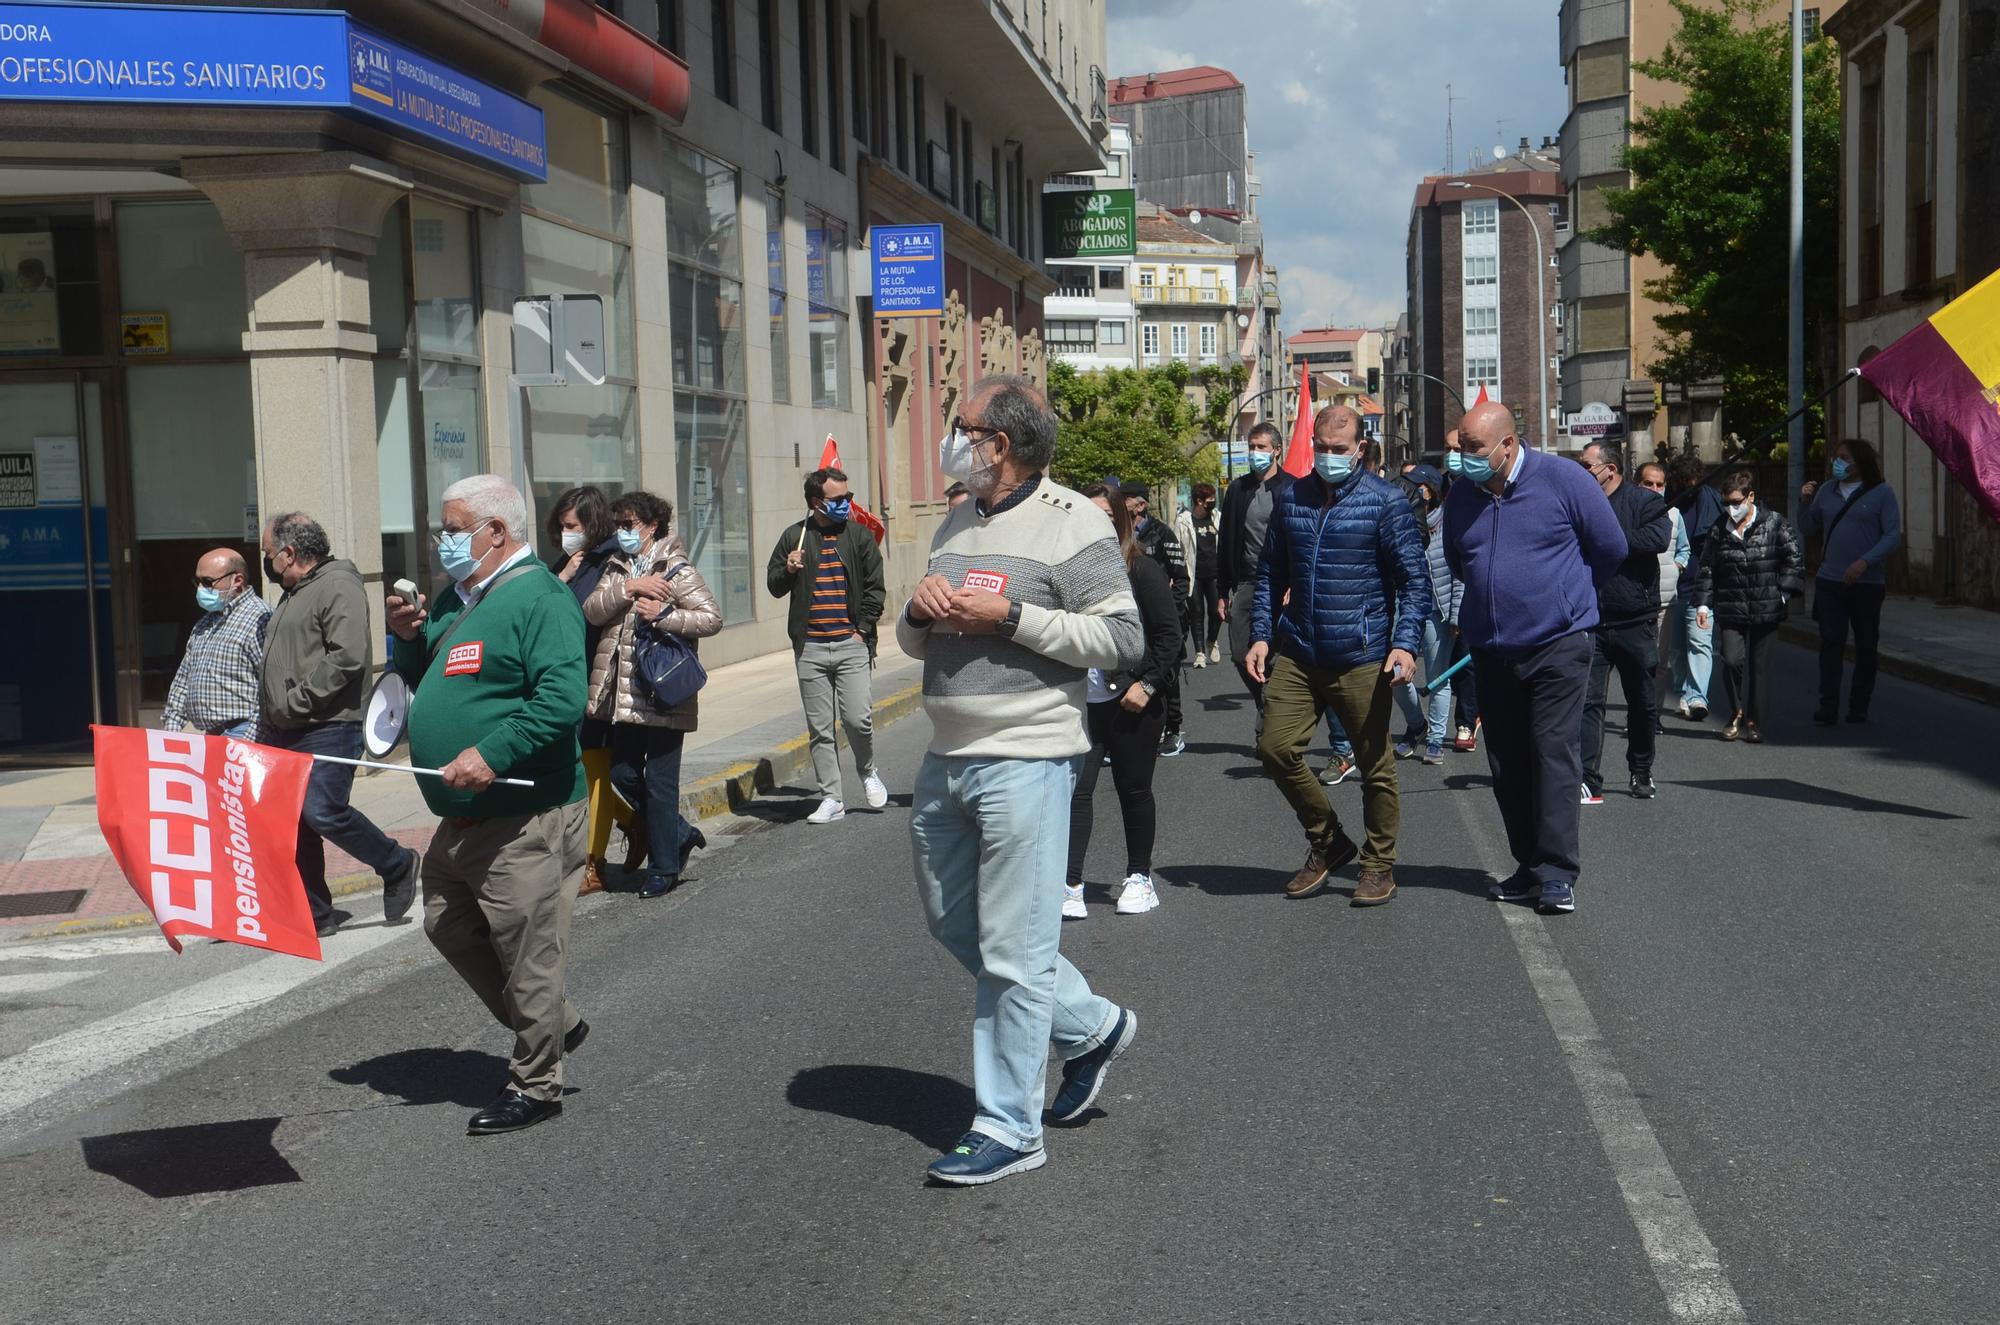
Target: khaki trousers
[
  {"x": 497, "y": 899},
  {"x": 1295, "y": 702}
]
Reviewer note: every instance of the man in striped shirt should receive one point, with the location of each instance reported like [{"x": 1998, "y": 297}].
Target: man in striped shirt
[{"x": 832, "y": 570}]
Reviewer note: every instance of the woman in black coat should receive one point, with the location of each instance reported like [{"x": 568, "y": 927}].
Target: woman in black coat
[
  {"x": 1751, "y": 567},
  {"x": 1126, "y": 718},
  {"x": 581, "y": 540}
]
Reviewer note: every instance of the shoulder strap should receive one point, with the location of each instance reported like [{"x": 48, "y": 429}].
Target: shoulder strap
[
  {"x": 1841, "y": 514},
  {"x": 452, "y": 630}
]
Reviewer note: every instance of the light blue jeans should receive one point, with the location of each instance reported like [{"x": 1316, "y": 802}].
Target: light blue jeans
[
  {"x": 991, "y": 842},
  {"x": 1693, "y": 652},
  {"x": 1437, "y": 657}
]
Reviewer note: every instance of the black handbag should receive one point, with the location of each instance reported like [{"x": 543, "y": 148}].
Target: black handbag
[{"x": 669, "y": 670}]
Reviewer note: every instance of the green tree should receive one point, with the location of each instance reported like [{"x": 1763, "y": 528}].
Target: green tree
[
  {"x": 1158, "y": 424},
  {"x": 1711, "y": 198}
]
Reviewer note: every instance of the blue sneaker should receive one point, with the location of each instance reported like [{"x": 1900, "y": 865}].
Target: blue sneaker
[
  {"x": 978, "y": 1159},
  {"x": 1557, "y": 899},
  {"x": 1517, "y": 887},
  {"x": 1083, "y": 1077}
]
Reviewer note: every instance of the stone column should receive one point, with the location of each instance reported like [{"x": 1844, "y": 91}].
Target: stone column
[{"x": 307, "y": 225}]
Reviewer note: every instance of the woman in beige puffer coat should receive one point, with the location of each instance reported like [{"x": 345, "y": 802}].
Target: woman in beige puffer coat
[{"x": 649, "y": 584}]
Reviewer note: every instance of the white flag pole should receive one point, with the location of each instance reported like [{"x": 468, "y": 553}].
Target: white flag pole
[{"x": 420, "y": 772}]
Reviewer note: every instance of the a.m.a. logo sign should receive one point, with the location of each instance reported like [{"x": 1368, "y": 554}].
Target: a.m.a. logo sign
[{"x": 1089, "y": 224}]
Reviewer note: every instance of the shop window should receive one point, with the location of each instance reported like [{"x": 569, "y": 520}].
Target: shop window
[
  {"x": 826, "y": 298},
  {"x": 194, "y": 460},
  {"x": 175, "y": 258},
  {"x": 705, "y": 273},
  {"x": 50, "y": 300},
  {"x": 588, "y": 175},
  {"x": 781, "y": 338}
]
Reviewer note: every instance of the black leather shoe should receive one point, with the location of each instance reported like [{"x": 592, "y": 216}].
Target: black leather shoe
[
  {"x": 1642, "y": 786},
  {"x": 399, "y": 890},
  {"x": 658, "y": 885},
  {"x": 577, "y": 1035},
  {"x": 510, "y": 1113},
  {"x": 690, "y": 841}
]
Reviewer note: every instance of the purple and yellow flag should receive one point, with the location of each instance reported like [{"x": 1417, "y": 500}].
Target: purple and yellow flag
[{"x": 1944, "y": 379}]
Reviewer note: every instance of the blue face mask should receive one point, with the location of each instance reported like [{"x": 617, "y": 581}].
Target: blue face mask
[
  {"x": 1332, "y": 468},
  {"x": 1261, "y": 461},
  {"x": 1454, "y": 462},
  {"x": 1841, "y": 469},
  {"x": 1476, "y": 467},
  {"x": 455, "y": 555},
  {"x": 630, "y": 541},
  {"x": 211, "y": 600},
  {"x": 838, "y": 510}
]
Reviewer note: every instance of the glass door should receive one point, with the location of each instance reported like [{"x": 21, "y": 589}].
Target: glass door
[{"x": 55, "y": 583}]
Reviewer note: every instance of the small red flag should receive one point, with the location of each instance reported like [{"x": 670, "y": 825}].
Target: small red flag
[
  {"x": 204, "y": 828},
  {"x": 1482, "y": 398},
  {"x": 829, "y": 458},
  {"x": 1299, "y": 455}
]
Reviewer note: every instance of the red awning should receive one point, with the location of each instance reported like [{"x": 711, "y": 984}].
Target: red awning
[{"x": 598, "y": 42}]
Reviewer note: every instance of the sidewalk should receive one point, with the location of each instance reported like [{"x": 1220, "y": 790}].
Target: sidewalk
[
  {"x": 1951, "y": 648},
  {"x": 57, "y": 875}
]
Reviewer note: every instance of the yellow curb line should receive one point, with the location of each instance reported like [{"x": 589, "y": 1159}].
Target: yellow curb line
[{"x": 717, "y": 794}]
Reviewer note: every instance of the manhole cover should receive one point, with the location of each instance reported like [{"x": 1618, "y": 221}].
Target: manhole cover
[{"x": 57, "y": 903}]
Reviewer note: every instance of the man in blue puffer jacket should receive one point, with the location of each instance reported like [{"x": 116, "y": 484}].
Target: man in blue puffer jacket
[{"x": 1343, "y": 591}]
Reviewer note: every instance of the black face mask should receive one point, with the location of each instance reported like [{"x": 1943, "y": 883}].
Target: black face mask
[{"x": 271, "y": 575}]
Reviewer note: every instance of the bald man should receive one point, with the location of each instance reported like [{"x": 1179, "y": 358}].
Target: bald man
[
  {"x": 215, "y": 689},
  {"x": 1531, "y": 537}
]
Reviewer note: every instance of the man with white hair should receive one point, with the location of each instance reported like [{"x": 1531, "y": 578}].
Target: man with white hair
[{"x": 501, "y": 676}]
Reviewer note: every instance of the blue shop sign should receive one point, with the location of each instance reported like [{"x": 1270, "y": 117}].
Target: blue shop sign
[
  {"x": 909, "y": 270},
  {"x": 188, "y": 55}
]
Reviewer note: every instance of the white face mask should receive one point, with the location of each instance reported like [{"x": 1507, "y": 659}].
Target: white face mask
[
  {"x": 958, "y": 458},
  {"x": 1739, "y": 511},
  {"x": 572, "y": 541}
]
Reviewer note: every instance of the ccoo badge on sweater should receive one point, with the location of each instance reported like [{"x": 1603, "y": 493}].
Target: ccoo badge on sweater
[
  {"x": 992, "y": 581},
  {"x": 463, "y": 660}
]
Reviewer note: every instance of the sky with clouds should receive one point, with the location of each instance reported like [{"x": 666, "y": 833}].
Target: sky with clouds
[{"x": 1347, "y": 115}]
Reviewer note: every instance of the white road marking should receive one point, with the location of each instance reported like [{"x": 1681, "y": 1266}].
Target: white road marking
[
  {"x": 1685, "y": 1263},
  {"x": 55, "y": 1065},
  {"x": 84, "y": 949},
  {"x": 40, "y": 982}
]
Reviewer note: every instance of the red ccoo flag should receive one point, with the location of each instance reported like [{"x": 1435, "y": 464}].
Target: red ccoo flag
[
  {"x": 1299, "y": 455},
  {"x": 204, "y": 829},
  {"x": 829, "y": 458}
]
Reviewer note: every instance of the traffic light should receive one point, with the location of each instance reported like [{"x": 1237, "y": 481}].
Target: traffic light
[{"x": 1374, "y": 381}]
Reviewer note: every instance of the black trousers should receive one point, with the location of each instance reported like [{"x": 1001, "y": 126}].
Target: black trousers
[
  {"x": 1746, "y": 667},
  {"x": 1531, "y": 701},
  {"x": 1837, "y": 606},
  {"x": 1133, "y": 742},
  {"x": 1465, "y": 686},
  {"x": 1203, "y": 628},
  {"x": 1633, "y": 650},
  {"x": 1170, "y": 690}
]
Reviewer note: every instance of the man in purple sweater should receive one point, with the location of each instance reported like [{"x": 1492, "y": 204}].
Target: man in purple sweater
[{"x": 1531, "y": 537}]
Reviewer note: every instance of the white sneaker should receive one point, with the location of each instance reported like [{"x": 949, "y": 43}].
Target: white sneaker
[
  {"x": 1201, "y": 660},
  {"x": 829, "y": 810},
  {"x": 878, "y": 795},
  {"x": 1139, "y": 896},
  {"x": 1215, "y": 653},
  {"x": 1073, "y": 903}
]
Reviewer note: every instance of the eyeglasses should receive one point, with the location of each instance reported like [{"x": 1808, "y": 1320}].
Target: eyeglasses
[
  {"x": 629, "y": 522},
  {"x": 959, "y": 424},
  {"x": 211, "y": 581}
]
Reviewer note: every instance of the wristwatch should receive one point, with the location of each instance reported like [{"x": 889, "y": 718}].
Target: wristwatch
[
  {"x": 1148, "y": 687},
  {"x": 1005, "y": 629}
]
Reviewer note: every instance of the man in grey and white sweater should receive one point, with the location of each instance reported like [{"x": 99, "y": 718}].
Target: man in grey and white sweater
[{"x": 1026, "y": 590}]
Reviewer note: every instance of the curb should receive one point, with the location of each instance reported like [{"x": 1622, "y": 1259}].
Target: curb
[
  {"x": 1806, "y": 636},
  {"x": 712, "y": 796}
]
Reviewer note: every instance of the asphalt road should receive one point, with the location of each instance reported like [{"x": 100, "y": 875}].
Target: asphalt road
[{"x": 1767, "y": 1033}]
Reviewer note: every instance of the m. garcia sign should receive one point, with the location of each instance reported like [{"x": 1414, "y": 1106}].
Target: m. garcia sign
[{"x": 1090, "y": 224}]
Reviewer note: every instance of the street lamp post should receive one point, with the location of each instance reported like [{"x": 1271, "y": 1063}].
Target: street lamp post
[{"x": 1541, "y": 292}]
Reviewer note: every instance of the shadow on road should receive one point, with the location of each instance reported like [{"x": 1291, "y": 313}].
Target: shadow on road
[
  {"x": 1790, "y": 789},
  {"x": 924, "y": 1105},
  {"x": 1225, "y": 880},
  {"x": 165, "y": 1162},
  {"x": 1215, "y": 748},
  {"x": 1447, "y": 878},
  {"x": 430, "y": 1076}
]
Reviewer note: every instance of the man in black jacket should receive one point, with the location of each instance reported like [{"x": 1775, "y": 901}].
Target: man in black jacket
[
  {"x": 1628, "y": 606},
  {"x": 1157, "y": 539},
  {"x": 1246, "y": 518}
]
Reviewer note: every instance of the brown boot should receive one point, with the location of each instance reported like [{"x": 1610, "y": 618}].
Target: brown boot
[
  {"x": 593, "y": 876},
  {"x": 1322, "y": 859},
  {"x": 1375, "y": 888}
]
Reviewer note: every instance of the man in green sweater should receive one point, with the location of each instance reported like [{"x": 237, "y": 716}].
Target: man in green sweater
[{"x": 499, "y": 674}]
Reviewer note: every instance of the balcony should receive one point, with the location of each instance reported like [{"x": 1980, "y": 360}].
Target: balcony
[
  {"x": 1100, "y": 119},
  {"x": 1179, "y": 294}
]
